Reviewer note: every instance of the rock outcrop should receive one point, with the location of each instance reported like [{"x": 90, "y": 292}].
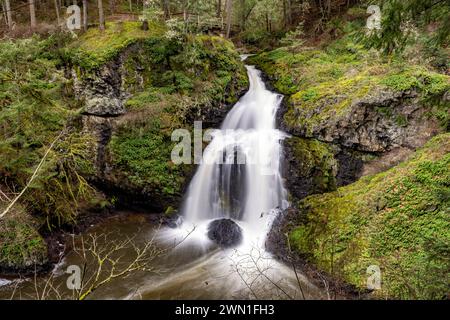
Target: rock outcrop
[{"x": 378, "y": 122}]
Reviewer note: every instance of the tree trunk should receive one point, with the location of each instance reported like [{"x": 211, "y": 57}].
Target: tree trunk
[
  {"x": 85, "y": 16},
  {"x": 4, "y": 14},
  {"x": 229, "y": 16},
  {"x": 131, "y": 5},
  {"x": 242, "y": 15},
  {"x": 289, "y": 12},
  {"x": 166, "y": 9},
  {"x": 101, "y": 15},
  {"x": 267, "y": 21},
  {"x": 112, "y": 6},
  {"x": 58, "y": 19},
  {"x": 32, "y": 14},
  {"x": 219, "y": 8},
  {"x": 8, "y": 14},
  {"x": 185, "y": 15}
]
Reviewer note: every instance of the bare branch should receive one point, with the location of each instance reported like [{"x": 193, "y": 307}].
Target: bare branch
[{"x": 32, "y": 177}]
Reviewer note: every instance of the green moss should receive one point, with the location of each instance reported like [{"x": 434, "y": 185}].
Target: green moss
[
  {"x": 143, "y": 99},
  {"x": 327, "y": 100},
  {"x": 143, "y": 156},
  {"x": 401, "y": 120},
  {"x": 315, "y": 159},
  {"x": 94, "y": 48},
  {"x": 170, "y": 211},
  {"x": 21, "y": 246},
  {"x": 417, "y": 77},
  {"x": 397, "y": 219},
  {"x": 400, "y": 82}
]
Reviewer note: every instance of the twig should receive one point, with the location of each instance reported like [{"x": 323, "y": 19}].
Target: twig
[{"x": 293, "y": 267}]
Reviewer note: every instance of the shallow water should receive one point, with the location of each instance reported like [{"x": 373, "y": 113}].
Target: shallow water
[{"x": 183, "y": 272}]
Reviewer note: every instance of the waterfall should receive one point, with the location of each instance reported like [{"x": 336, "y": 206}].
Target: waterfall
[{"x": 239, "y": 177}]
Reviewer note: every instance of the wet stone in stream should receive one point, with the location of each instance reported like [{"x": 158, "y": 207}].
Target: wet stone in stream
[{"x": 225, "y": 232}]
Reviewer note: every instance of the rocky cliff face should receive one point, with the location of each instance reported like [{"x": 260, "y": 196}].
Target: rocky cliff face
[
  {"x": 102, "y": 92},
  {"x": 376, "y": 132},
  {"x": 130, "y": 76},
  {"x": 312, "y": 166},
  {"x": 378, "y": 122}
]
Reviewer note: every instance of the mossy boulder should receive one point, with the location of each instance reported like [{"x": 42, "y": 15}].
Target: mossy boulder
[
  {"x": 21, "y": 247},
  {"x": 312, "y": 166},
  {"x": 378, "y": 120},
  {"x": 398, "y": 220}
]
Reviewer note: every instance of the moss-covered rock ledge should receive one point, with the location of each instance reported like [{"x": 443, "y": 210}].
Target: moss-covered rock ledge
[
  {"x": 135, "y": 100},
  {"x": 347, "y": 95},
  {"x": 398, "y": 220},
  {"x": 21, "y": 245}
]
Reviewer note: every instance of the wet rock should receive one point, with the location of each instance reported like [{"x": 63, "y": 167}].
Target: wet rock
[
  {"x": 309, "y": 166},
  {"x": 225, "y": 232}
]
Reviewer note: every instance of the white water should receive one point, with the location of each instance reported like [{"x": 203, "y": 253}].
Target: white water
[{"x": 240, "y": 175}]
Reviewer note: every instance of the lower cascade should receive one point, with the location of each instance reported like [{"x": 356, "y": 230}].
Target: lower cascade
[{"x": 239, "y": 179}]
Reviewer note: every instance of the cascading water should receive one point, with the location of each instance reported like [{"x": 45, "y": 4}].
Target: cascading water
[{"x": 240, "y": 177}]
